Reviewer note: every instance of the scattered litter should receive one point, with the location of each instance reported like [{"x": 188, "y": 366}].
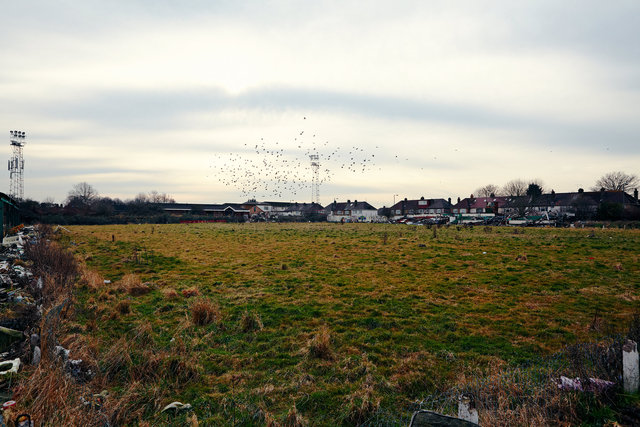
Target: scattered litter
[
  {"x": 107, "y": 282},
  {"x": 10, "y": 366},
  {"x": 62, "y": 353},
  {"x": 79, "y": 370},
  {"x": 484, "y": 253},
  {"x": 12, "y": 240},
  {"x": 8, "y": 404},
  {"x": 96, "y": 400},
  {"x": 24, "y": 420},
  {"x": 176, "y": 406}
]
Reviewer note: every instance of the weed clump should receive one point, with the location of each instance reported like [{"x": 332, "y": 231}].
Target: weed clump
[
  {"x": 204, "y": 312},
  {"x": 170, "y": 293},
  {"x": 363, "y": 403},
  {"x": 123, "y": 307},
  {"x": 132, "y": 284},
  {"x": 294, "y": 418},
  {"x": 320, "y": 344},
  {"x": 251, "y": 322},
  {"x": 190, "y": 292},
  {"x": 91, "y": 279}
]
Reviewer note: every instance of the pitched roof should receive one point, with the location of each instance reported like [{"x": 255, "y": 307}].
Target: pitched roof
[
  {"x": 482, "y": 202},
  {"x": 305, "y": 207},
  {"x": 592, "y": 198},
  {"x": 350, "y": 206},
  {"x": 422, "y": 204},
  {"x": 206, "y": 207}
]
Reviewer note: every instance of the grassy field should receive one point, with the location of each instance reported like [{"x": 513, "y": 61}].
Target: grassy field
[{"x": 328, "y": 322}]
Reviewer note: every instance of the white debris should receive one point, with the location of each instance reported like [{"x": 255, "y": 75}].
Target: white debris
[
  {"x": 61, "y": 352},
  {"x": 10, "y": 366},
  {"x": 177, "y": 406}
]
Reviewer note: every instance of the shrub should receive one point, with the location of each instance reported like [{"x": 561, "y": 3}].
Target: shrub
[{"x": 56, "y": 266}]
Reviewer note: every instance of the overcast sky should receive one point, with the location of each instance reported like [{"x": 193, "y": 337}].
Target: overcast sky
[{"x": 430, "y": 98}]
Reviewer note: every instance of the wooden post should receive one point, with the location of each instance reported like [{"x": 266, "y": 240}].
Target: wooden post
[{"x": 630, "y": 368}]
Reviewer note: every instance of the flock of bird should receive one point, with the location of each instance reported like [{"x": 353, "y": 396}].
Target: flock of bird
[{"x": 272, "y": 170}]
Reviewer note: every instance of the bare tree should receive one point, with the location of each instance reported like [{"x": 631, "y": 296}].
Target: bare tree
[
  {"x": 155, "y": 197},
  {"x": 83, "y": 194},
  {"x": 616, "y": 181},
  {"x": 515, "y": 188},
  {"x": 141, "y": 198},
  {"x": 489, "y": 190}
]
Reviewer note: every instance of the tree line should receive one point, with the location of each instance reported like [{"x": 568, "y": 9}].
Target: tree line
[
  {"x": 84, "y": 205},
  {"x": 612, "y": 181}
]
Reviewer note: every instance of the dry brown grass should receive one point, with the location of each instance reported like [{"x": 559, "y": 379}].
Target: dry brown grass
[
  {"x": 132, "y": 285},
  {"x": 320, "y": 344},
  {"x": 91, "y": 278},
  {"x": 56, "y": 266},
  {"x": 123, "y": 307},
  {"x": 170, "y": 293},
  {"x": 190, "y": 292},
  {"x": 204, "y": 312},
  {"x": 54, "y": 397},
  {"x": 294, "y": 418},
  {"x": 363, "y": 402}
]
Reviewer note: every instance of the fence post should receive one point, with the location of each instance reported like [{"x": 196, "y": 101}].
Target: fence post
[
  {"x": 467, "y": 409},
  {"x": 630, "y": 368}
]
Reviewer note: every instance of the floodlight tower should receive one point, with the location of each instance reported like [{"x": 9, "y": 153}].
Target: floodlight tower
[
  {"x": 16, "y": 164},
  {"x": 315, "y": 183}
]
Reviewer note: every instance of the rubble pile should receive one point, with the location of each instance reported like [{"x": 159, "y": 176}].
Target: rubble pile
[
  {"x": 21, "y": 317},
  {"x": 18, "y": 309}
]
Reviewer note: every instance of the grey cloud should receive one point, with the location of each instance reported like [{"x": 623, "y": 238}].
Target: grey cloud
[
  {"x": 593, "y": 27},
  {"x": 163, "y": 110}
]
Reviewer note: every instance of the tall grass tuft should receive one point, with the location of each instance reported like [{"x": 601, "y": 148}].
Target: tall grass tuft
[
  {"x": 204, "y": 312},
  {"x": 251, "y": 322},
  {"x": 320, "y": 344},
  {"x": 294, "y": 418}
]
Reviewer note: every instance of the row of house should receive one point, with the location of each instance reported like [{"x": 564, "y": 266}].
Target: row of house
[{"x": 581, "y": 204}]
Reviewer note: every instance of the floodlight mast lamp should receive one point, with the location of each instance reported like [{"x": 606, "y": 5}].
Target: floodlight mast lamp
[
  {"x": 16, "y": 164},
  {"x": 315, "y": 184}
]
